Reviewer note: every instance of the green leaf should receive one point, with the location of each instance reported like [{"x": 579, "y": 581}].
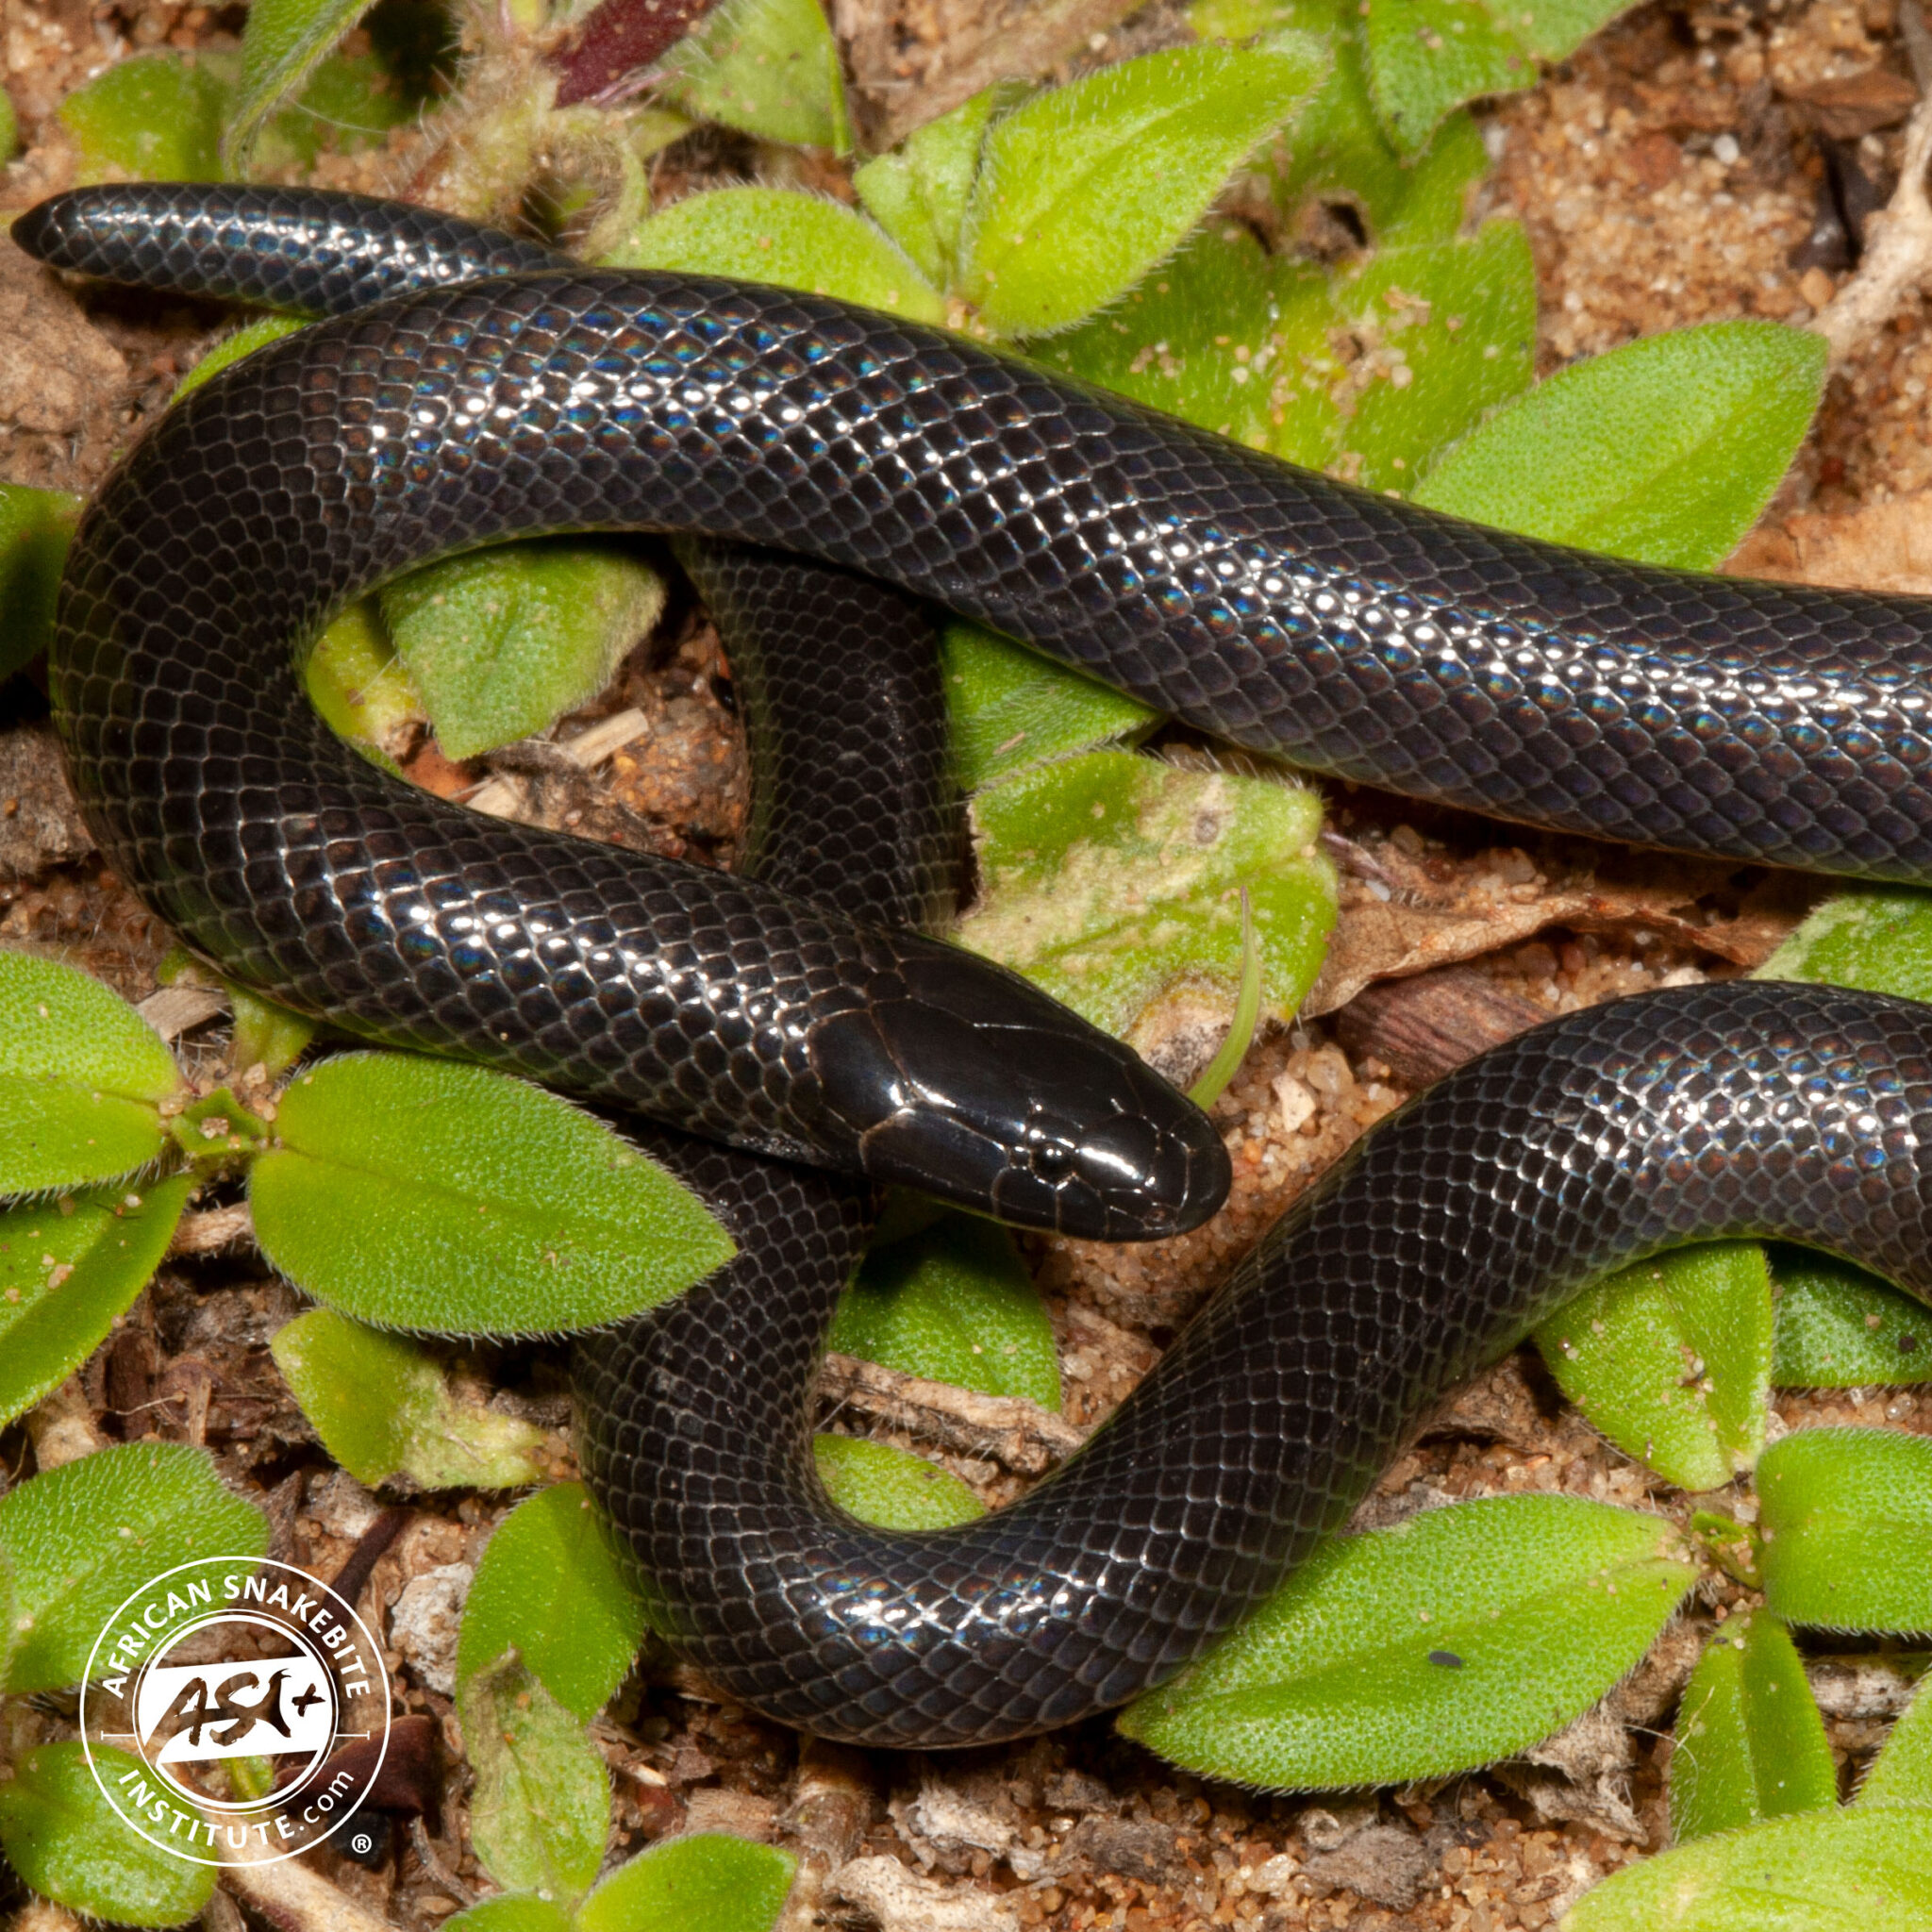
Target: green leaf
[
  {"x": 1902, "y": 1772},
  {"x": 1011, "y": 708},
  {"x": 1338, "y": 150},
  {"x": 66, "y": 1270},
  {"x": 1428, "y": 57},
  {"x": 282, "y": 45},
  {"x": 350, "y": 105},
  {"x": 384, "y": 1406},
  {"x": 513, "y": 1911},
  {"x": 266, "y": 1034},
  {"x": 1379, "y": 370},
  {"x": 357, "y": 683},
  {"x": 541, "y": 1809},
  {"x": 891, "y": 1487},
  {"x": 35, "y": 528},
  {"x": 701, "y": 1883},
  {"x": 1084, "y": 189},
  {"x": 769, "y": 67},
  {"x": 1671, "y": 1360},
  {"x": 1750, "y": 1743},
  {"x": 1196, "y": 338},
  {"x": 503, "y": 641},
  {"x": 1839, "y": 1328},
  {"x": 1111, "y": 880},
  {"x": 252, "y": 336},
  {"x": 918, "y": 193},
  {"x": 1455, "y": 1639},
  {"x": 82, "y": 1077},
  {"x": 9, "y": 129},
  {"x": 419, "y": 1193},
  {"x": 796, "y": 241},
  {"x": 1664, "y": 450},
  {"x": 1818, "y": 1871},
  {"x": 955, "y": 1304},
  {"x": 551, "y": 1588},
  {"x": 80, "y": 1537},
  {"x": 64, "y": 1839},
  {"x": 1875, "y": 937},
  {"x": 1370, "y": 372},
  {"x": 1846, "y": 1528},
  {"x": 153, "y": 118}
]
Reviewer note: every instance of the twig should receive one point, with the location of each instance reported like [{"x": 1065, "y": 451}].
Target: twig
[
  {"x": 1898, "y": 250},
  {"x": 295, "y": 1899},
  {"x": 434, "y": 1864},
  {"x": 1006, "y": 1429}
]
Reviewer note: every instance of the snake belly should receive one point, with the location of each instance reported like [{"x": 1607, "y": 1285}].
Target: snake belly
[{"x": 1282, "y": 611}]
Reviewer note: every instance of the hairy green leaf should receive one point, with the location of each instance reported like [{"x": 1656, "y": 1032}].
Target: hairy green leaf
[
  {"x": 82, "y": 1077},
  {"x": 231, "y": 349},
  {"x": 349, "y": 105},
  {"x": 359, "y": 686},
  {"x": 768, "y": 235},
  {"x": 770, "y": 67},
  {"x": 918, "y": 193},
  {"x": 1902, "y": 1772},
  {"x": 67, "y": 1269},
  {"x": 1011, "y": 708},
  {"x": 1114, "y": 881},
  {"x": 955, "y": 1304},
  {"x": 1428, "y": 57},
  {"x": 1085, "y": 188},
  {"x": 1370, "y": 372},
  {"x": 80, "y": 1537},
  {"x": 266, "y": 1034},
  {"x": 282, "y": 45},
  {"x": 1818, "y": 1871},
  {"x": 541, "y": 1809},
  {"x": 551, "y": 1588},
  {"x": 384, "y": 1406},
  {"x": 1379, "y": 370},
  {"x": 891, "y": 1487},
  {"x": 1750, "y": 1743},
  {"x": 1875, "y": 937},
  {"x": 1846, "y": 1528},
  {"x": 64, "y": 1839},
  {"x": 503, "y": 641},
  {"x": 1338, "y": 150},
  {"x": 153, "y": 118},
  {"x": 1457, "y": 1638},
  {"x": 35, "y": 528},
  {"x": 1664, "y": 450},
  {"x": 1839, "y": 1328},
  {"x": 1197, "y": 338},
  {"x": 514, "y": 1911},
  {"x": 419, "y": 1193},
  {"x": 1671, "y": 1360},
  {"x": 704, "y": 1882}
]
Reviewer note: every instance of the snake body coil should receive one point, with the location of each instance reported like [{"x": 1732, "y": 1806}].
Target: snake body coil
[{"x": 1280, "y": 609}]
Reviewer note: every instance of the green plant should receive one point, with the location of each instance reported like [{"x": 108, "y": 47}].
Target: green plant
[{"x": 1083, "y": 227}]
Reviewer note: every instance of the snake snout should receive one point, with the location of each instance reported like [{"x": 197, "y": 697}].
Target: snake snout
[{"x": 972, "y": 1085}]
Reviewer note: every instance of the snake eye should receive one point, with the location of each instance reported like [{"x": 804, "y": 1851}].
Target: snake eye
[{"x": 1052, "y": 1161}]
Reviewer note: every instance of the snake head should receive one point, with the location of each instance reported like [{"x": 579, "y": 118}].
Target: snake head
[{"x": 966, "y": 1082}]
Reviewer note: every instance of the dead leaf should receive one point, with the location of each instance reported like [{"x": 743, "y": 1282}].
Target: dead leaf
[{"x": 1855, "y": 104}]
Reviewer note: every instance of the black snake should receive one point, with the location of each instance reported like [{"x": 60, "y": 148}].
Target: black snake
[{"x": 475, "y": 387}]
